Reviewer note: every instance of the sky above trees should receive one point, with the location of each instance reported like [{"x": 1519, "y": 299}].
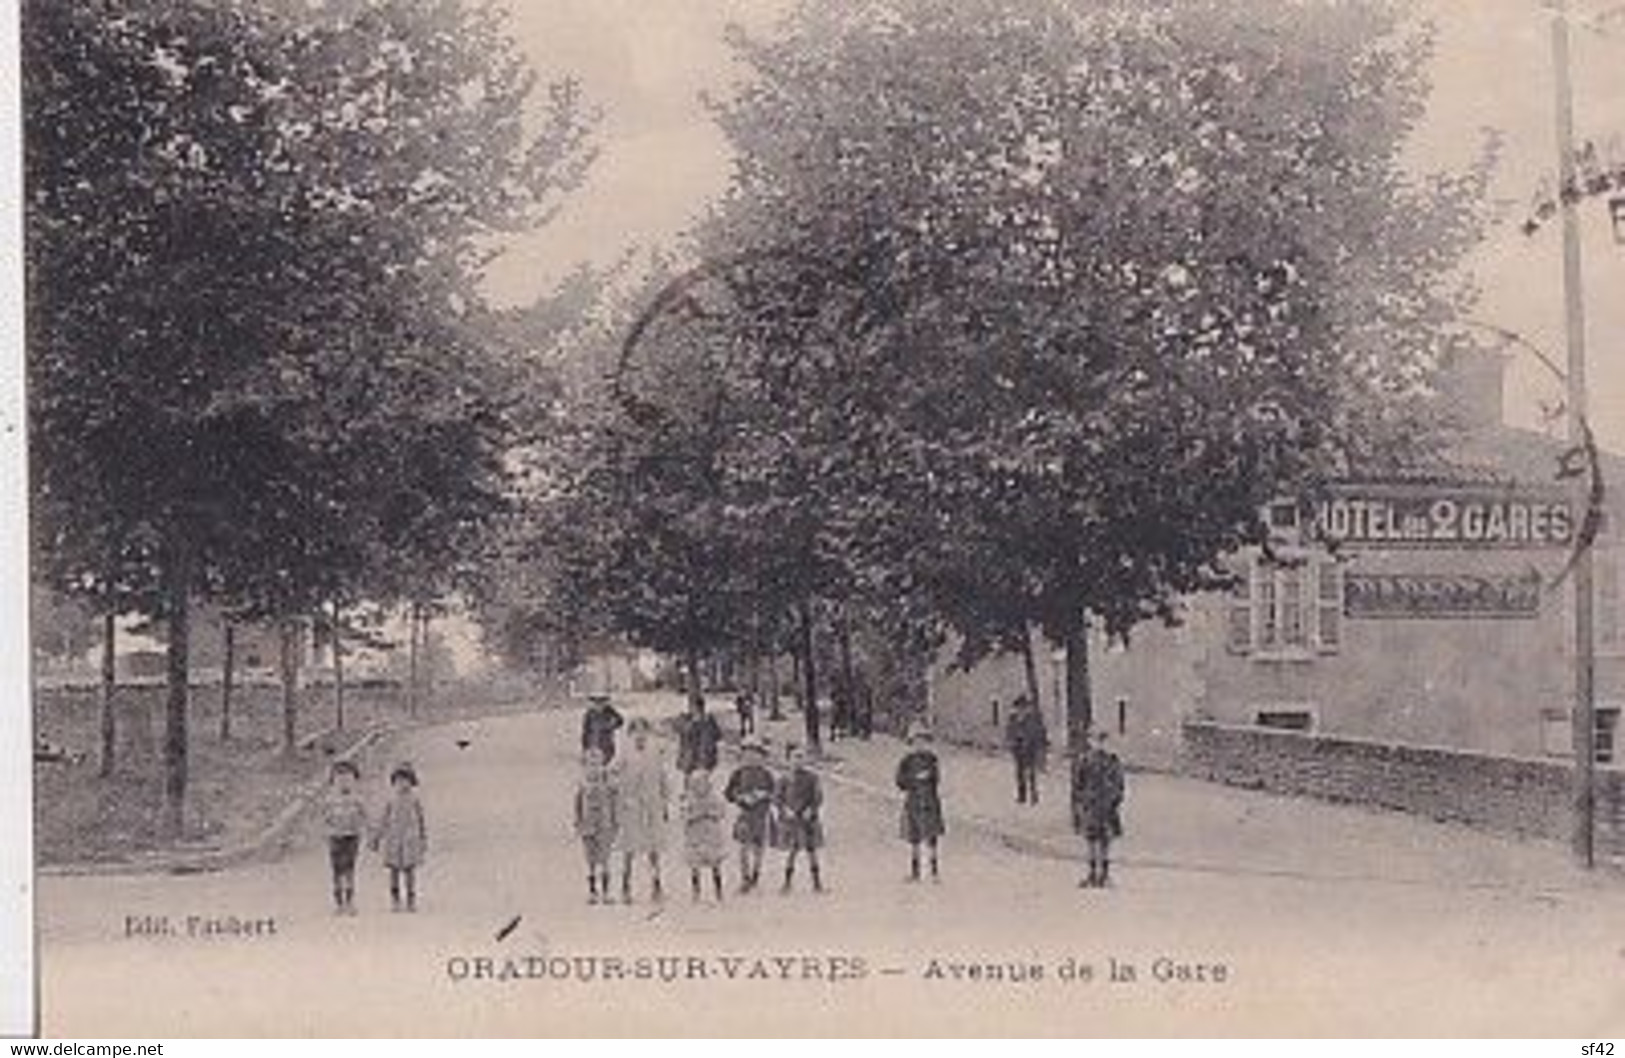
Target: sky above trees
[{"x": 648, "y": 65}]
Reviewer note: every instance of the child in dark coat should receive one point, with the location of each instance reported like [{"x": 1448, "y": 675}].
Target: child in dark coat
[
  {"x": 596, "y": 823},
  {"x": 799, "y": 800},
  {"x": 346, "y": 817},
  {"x": 1097, "y": 803},
  {"x": 919, "y": 776},
  {"x": 751, "y": 788}
]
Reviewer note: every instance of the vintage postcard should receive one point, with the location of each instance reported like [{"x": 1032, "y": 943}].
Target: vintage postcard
[{"x": 797, "y": 519}]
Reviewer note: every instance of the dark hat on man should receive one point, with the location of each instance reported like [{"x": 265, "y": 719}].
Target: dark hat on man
[{"x": 404, "y": 771}]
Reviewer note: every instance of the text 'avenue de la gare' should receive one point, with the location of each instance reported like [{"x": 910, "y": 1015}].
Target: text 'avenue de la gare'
[{"x": 836, "y": 969}]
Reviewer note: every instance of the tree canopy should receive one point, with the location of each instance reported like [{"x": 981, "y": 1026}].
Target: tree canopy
[
  {"x": 255, "y": 234},
  {"x": 1028, "y": 307}
]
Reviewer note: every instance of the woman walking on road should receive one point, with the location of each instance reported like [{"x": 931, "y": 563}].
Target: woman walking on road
[
  {"x": 750, "y": 788},
  {"x": 1097, "y": 801},
  {"x": 642, "y": 808},
  {"x": 798, "y": 803},
  {"x": 919, "y": 776}
]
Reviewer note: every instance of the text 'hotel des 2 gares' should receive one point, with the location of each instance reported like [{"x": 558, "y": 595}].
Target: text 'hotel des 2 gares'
[{"x": 1401, "y": 644}]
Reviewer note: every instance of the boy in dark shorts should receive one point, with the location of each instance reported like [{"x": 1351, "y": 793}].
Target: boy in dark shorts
[{"x": 346, "y": 817}]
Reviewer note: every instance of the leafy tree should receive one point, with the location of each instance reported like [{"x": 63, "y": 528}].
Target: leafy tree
[
  {"x": 254, "y": 238},
  {"x": 1111, "y": 278}
]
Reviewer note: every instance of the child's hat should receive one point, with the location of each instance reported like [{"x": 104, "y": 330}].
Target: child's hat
[{"x": 404, "y": 771}]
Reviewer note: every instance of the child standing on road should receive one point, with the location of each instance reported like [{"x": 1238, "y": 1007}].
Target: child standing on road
[
  {"x": 799, "y": 801},
  {"x": 642, "y": 809},
  {"x": 346, "y": 817},
  {"x": 596, "y": 823},
  {"x": 403, "y": 836},
  {"x": 1097, "y": 804},
  {"x": 702, "y": 831},
  {"x": 750, "y": 789},
  {"x": 919, "y": 776}
]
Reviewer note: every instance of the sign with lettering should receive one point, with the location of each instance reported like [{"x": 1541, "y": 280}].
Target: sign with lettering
[
  {"x": 1437, "y": 595},
  {"x": 1443, "y": 516}
]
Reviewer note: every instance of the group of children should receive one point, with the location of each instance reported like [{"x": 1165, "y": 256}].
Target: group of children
[
  {"x": 623, "y": 807},
  {"x": 401, "y": 835},
  {"x": 619, "y": 807}
]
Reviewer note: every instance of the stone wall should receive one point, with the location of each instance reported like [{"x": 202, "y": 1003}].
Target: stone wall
[{"x": 1512, "y": 795}]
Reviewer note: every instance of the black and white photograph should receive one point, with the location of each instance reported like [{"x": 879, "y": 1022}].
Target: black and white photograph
[{"x": 823, "y": 518}]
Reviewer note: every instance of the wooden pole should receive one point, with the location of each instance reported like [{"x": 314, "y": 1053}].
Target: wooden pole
[{"x": 1585, "y": 706}]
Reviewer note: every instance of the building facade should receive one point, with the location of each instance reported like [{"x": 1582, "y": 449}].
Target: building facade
[{"x": 1427, "y": 609}]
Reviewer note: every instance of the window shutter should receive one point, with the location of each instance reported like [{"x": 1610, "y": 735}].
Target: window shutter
[
  {"x": 1329, "y": 606},
  {"x": 1239, "y": 634}
]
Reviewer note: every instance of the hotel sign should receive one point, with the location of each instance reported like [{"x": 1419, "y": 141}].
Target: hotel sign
[
  {"x": 1436, "y": 595},
  {"x": 1484, "y": 517}
]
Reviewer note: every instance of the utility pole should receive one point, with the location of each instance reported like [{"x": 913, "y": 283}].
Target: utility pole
[{"x": 1585, "y": 708}]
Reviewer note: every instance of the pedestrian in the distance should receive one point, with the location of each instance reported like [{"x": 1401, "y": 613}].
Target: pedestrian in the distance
[
  {"x": 745, "y": 707},
  {"x": 797, "y": 805},
  {"x": 1028, "y": 741},
  {"x": 596, "y": 823},
  {"x": 598, "y": 726},
  {"x": 346, "y": 817},
  {"x": 643, "y": 808},
  {"x": 750, "y": 789},
  {"x": 698, "y": 737},
  {"x": 919, "y": 776},
  {"x": 1097, "y": 802},
  {"x": 703, "y": 840},
  {"x": 403, "y": 838}
]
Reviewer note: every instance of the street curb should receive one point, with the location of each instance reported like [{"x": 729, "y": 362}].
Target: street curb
[
  {"x": 1027, "y": 843},
  {"x": 273, "y": 834}
]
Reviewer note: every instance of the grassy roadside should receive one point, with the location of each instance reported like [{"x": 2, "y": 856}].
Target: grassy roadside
[{"x": 237, "y": 786}]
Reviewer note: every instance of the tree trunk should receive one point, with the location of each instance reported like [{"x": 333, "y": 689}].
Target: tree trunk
[
  {"x": 774, "y": 709},
  {"x": 696, "y": 680},
  {"x": 1079, "y": 708},
  {"x": 849, "y": 677},
  {"x": 228, "y": 678},
  {"x": 795, "y": 667},
  {"x": 412, "y": 661},
  {"x": 1029, "y": 663},
  {"x": 176, "y": 600},
  {"x": 427, "y": 658},
  {"x": 809, "y": 678},
  {"x": 290, "y": 641},
  {"x": 109, "y": 684},
  {"x": 337, "y": 640}
]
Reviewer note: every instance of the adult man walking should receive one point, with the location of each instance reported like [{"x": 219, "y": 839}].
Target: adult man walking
[
  {"x": 598, "y": 726},
  {"x": 1028, "y": 740},
  {"x": 698, "y": 736}
]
